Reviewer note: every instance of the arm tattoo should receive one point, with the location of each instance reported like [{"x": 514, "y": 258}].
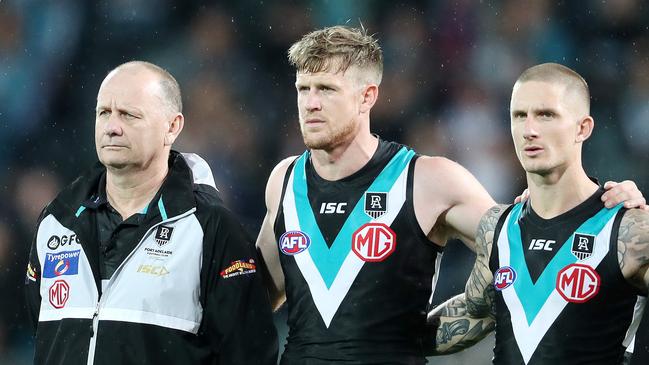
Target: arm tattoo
[
  {"x": 471, "y": 334},
  {"x": 633, "y": 248},
  {"x": 480, "y": 294},
  {"x": 467, "y": 318},
  {"x": 448, "y": 330}
]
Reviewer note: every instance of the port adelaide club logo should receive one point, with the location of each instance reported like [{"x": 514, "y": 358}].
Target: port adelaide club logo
[
  {"x": 163, "y": 235},
  {"x": 376, "y": 204}
]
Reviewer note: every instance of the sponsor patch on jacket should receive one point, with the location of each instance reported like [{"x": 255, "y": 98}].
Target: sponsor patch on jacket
[
  {"x": 294, "y": 242},
  {"x": 62, "y": 263},
  {"x": 59, "y": 294},
  {"x": 31, "y": 272},
  {"x": 239, "y": 267}
]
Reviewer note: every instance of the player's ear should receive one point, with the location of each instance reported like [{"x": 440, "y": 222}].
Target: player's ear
[
  {"x": 175, "y": 127},
  {"x": 370, "y": 94},
  {"x": 585, "y": 128}
]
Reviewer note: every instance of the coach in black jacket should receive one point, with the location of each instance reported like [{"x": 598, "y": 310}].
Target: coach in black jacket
[{"x": 138, "y": 261}]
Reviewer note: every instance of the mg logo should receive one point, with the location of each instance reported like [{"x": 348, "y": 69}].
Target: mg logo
[
  {"x": 578, "y": 283},
  {"x": 294, "y": 242},
  {"x": 504, "y": 278},
  {"x": 59, "y": 293},
  {"x": 374, "y": 242}
]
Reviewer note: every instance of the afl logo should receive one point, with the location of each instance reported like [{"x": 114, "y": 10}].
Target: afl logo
[
  {"x": 294, "y": 242},
  {"x": 578, "y": 283},
  {"x": 504, "y": 278}
]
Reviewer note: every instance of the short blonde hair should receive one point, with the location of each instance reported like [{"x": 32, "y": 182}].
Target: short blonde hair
[
  {"x": 336, "y": 49},
  {"x": 559, "y": 74}
]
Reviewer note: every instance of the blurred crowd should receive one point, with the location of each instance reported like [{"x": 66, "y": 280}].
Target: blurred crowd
[{"x": 449, "y": 68}]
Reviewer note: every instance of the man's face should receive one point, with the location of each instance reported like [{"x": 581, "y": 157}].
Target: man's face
[
  {"x": 544, "y": 124},
  {"x": 328, "y": 105},
  {"x": 131, "y": 119}
]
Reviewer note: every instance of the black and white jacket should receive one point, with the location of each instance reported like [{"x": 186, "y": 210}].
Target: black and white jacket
[{"x": 189, "y": 293}]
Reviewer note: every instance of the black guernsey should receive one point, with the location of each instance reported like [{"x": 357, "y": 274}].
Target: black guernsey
[
  {"x": 560, "y": 294},
  {"x": 358, "y": 268}
]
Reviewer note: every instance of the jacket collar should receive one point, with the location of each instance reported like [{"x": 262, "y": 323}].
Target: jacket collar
[{"x": 175, "y": 196}]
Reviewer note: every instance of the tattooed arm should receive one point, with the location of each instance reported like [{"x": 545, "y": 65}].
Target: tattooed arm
[
  {"x": 633, "y": 256},
  {"x": 633, "y": 248},
  {"x": 467, "y": 318}
]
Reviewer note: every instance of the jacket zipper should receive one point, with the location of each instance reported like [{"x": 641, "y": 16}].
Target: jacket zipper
[
  {"x": 95, "y": 316},
  {"x": 93, "y": 334}
]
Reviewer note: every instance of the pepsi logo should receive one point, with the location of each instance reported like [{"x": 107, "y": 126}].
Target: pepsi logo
[
  {"x": 504, "y": 277},
  {"x": 294, "y": 242}
]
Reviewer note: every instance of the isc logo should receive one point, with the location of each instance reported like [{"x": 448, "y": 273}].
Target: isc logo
[
  {"x": 374, "y": 242},
  {"x": 153, "y": 270},
  {"x": 541, "y": 244},
  {"x": 504, "y": 277},
  {"x": 331, "y": 208},
  {"x": 294, "y": 242},
  {"x": 578, "y": 283}
]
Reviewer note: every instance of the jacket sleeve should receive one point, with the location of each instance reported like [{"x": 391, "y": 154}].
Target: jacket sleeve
[
  {"x": 33, "y": 281},
  {"x": 641, "y": 348},
  {"x": 237, "y": 315}
]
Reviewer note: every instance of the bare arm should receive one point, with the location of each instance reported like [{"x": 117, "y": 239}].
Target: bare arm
[
  {"x": 266, "y": 241},
  {"x": 467, "y": 318},
  {"x": 633, "y": 248},
  {"x": 448, "y": 200}
]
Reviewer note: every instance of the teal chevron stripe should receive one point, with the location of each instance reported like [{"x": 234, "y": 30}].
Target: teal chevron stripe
[
  {"x": 329, "y": 260},
  {"x": 533, "y": 295}
]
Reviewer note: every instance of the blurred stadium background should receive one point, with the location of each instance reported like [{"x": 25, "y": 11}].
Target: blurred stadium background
[{"x": 449, "y": 68}]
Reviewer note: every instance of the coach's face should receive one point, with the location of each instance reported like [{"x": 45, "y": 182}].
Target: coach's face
[
  {"x": 546, "y": 126},
  {"x": 329, "y": 107},
  {"x": 131, "y": 120}
]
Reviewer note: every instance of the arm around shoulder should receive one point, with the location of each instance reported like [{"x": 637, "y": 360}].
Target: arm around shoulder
[
  {"x": 447, "y": 194},
  {"x": 633, "y": 248}
]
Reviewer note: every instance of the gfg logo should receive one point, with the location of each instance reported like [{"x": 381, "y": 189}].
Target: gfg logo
[{"x": 55, "y": 241}]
